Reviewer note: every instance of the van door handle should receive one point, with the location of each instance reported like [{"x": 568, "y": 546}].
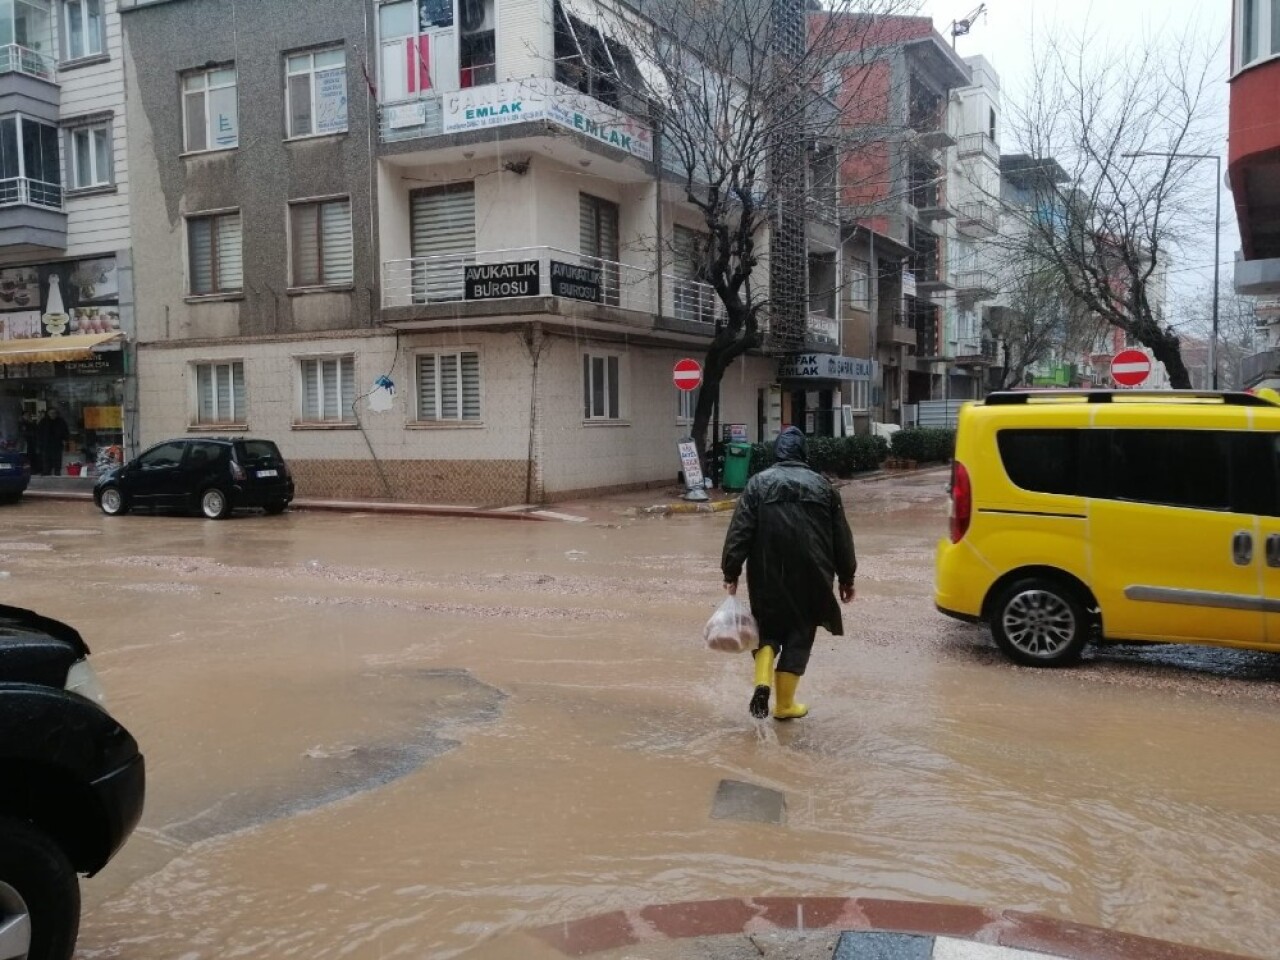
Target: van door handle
[
  {"x": 1242, "y": 548},
  {"x": 1273, "y": 550}
]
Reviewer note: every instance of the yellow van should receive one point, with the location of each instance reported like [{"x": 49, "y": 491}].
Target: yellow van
[{"x": 1126, "y": 515}]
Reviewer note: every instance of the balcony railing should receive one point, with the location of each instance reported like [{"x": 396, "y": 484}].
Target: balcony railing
[
  {"x": 15, "y": 58},
  {"x": 34, "y": 193},
  {"x": 1259, "y": 366},
  {"x": 976, "y": 351},
  {"x": 978, "y": 218},
  {"x": 545, "y": 272},
  {"x": 822, "y": 329},
  {"x": 976, "y": 284},
  {"x": 977, "y": 145}
]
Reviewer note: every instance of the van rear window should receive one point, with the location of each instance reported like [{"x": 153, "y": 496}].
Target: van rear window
[{"x": 1042, "y": 461}]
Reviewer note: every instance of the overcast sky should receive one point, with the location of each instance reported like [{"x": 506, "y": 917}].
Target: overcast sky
[{"x": 1004, "y": 35}]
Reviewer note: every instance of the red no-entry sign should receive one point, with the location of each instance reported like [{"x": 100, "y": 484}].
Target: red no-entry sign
[
  {"x": 687, "y": 374},
  {"x": 1129, "y": 368}
]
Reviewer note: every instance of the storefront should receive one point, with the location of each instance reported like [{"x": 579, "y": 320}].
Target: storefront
[
  {"x": 823, "y": 394},
  {"x": 62, "y": 358}
]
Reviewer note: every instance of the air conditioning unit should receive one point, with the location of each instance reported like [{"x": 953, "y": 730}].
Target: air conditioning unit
[{"x": 476, "y": 16}]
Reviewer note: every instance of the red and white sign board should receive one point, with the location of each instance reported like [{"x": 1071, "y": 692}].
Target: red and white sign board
[
  {"x": 687, "y": 374},
  {"x": 1130, "y": 368}
]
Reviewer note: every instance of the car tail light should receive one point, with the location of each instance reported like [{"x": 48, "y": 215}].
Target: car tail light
[
  {"x": 284, "y": 470},
  {"x": 237, "y": 471},
  {"x": 961, "y": 501}
]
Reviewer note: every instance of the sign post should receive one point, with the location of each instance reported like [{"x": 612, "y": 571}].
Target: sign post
[{"x": 1130, "y": 368}]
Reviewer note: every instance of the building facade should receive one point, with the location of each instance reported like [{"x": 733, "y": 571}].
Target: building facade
[
  {"x": 66, "y": 263},
  {"x": 427, "y": 248}
]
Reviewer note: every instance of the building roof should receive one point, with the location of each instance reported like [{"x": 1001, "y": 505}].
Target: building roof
[{"x": 1022, "y": 169}]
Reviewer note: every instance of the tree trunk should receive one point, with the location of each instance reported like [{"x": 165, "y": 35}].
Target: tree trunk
[{"x": 1168, "y": 351}]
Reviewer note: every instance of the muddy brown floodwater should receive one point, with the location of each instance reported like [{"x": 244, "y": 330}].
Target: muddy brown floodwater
[{"x": 390, "y": 737}]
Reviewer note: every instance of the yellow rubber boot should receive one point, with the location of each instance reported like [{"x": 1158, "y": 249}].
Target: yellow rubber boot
[
  {"x": 786, "y": 707},
  {"x": 764, "y": 680}
]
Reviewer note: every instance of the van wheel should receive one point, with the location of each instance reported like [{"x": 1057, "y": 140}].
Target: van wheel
[
  {"x": 1040, "y": 622},
  {"x": 214, "y": 504}
]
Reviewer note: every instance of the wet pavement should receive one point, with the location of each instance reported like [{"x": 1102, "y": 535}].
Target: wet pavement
[{"x": 379, "y": 736}]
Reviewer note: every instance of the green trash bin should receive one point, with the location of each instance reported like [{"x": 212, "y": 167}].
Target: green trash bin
[{"x": 737, "y": 465}]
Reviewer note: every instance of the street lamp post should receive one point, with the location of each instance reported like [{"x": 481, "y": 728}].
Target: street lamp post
[{"x": 1217, "y": 241}]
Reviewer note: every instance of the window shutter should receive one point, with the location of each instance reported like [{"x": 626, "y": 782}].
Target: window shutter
[
  {"x": 300, "y": 105},
  {"x": 588, "y": 226},
  {"x": 449, "y": 386},
  {"x": 335, "y": 224},
  {"x": 348, "y": 387},
  {"x": 470, "y": 386},
  {"x": 306, "y": 245},
  {"x": 237, "y": 413},
  {"x": 443, "y": 224},
  {"x": 222, "y": 391},
  {"x": 204, "y": 393},
  {"x": 230, "y": 266},
  {"x": 332, "y": 390},
  {"x": 200, "y": 242},
  {"x": 427, "y": 388},
  {"x": 310, "y": 390},
  {"x": 614, "y": 391}
]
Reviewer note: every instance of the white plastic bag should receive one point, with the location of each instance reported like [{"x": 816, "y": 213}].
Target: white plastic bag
[{"x": 731, "y": 628}]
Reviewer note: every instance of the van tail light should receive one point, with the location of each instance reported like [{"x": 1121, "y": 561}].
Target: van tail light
[
  {"x": 961, "y": 501},
  {"x": 237, "y": 471}
]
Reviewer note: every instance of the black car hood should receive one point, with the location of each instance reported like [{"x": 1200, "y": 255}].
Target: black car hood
[{"x": 36, "y": 649}]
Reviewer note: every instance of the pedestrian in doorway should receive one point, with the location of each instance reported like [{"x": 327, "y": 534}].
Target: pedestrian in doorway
[
  {"x": 53, "y": 437},
  {"x": 31, "y": 441},
  {"x": 790, "y": 530}
]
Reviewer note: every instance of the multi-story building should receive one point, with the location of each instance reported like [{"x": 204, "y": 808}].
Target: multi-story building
[
  {"x": 1253, "y": 169},
  {"x": 897, "y": 82},
  {"x": 434, "y": 251},
  {"x": 66, "y": 266}
]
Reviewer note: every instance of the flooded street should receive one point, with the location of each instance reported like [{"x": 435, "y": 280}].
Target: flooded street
[{"x": 385, "y": 737}]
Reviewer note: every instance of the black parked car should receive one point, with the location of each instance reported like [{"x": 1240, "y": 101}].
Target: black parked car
[
  {"x": 212, "y": 476},
  {"x": 72, "y": 784},
  {"x": 15, "y": 474}
]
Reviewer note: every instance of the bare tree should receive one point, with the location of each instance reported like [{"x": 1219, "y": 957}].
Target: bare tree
[
  {"x": 743, "y": 95},
  {"x": 1037, "y": 321},
  {"x": 1113, "y": 119}
]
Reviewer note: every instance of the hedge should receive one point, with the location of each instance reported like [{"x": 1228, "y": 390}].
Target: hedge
[
  {"x": 924, "y": 444},
  {"x": 836, "y": 456}
]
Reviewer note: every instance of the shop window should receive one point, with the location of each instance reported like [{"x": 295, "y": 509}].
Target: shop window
[
  {"x": 30, "y": 164},
  {"x": 316, "y": 92},
  {"x": 220, "y": 396},
  {"x": 84, "y": 26},
  {"x": 89, "y": 152},
  {"x": 328, "y": 389},
  {"x": 213, "y": 244},
  {"x": 320, "y": 241},
  {"x": 449, "y": 386},
  {"x": 601, "y": 387},
  {"x": 209, "y": 117}
]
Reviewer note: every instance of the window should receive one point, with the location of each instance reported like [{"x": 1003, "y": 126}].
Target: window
[
  {"x": 202, "y": 454},
  {"x": 686, "y": 405},
  {"x": 30, "y": 166},
  {"x": 328, "y": 389},
  {"x": 1042, "y": 461},
  {"x": 600, "y": 387},
  {"x": 860, "y": 395},
  {"x": 89, "y": 162},
  {"x": 419, "y": 49},
  {"x": 220, "y": 392},
  {"x": 82, "y": 23},
  {"x": 316, "y": 91},
  {"x": 213, "y": 244},
  {"x": 1179, "y": 468},
  {"x": 1259, "y": 31},
  {"x": 598, "y": 239},
  {"x": 320, "y": 239},
  {"x": 165, "y": 455},
  {"x": 449, "y": 386},
  {"x": 693, "y": 297},
  {"x": 991, "y": 124},
  {"x": 209, "y": 118},
  {"x": 859, "y": 283}
]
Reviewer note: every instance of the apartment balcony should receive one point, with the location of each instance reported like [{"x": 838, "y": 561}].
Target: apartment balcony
[
  {"x": 976, "y": 353},
  {"x": 896, "y": 329},
  {"x": 15, "y": 58},
  {"x": 538, "y": 103},
  {"x": 932, "y": 281},
  {"x": 930, "y": 129},
  {"x": 527, "y": 281},
  {"x": 978, "y": 219},
  {"x": 971, "y": 146},
  {"x": 822, "y": 330},
  {"x": 976, "y": 284},
  {"x": 1259, "y": 367},
  {"x": 31, "y": 217},
  {"x": 931, "y": 204}
]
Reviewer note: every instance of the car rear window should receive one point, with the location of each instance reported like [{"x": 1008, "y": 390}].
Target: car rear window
[
  {"x": 1042, "y": 461},
  {"x": 257, "y": 451}
]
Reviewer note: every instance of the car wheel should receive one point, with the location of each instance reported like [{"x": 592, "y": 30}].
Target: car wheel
[
  {"x": 10, "y": 498},
  {"x": 276, "y": 508},
  {"x": 214, "y": 504},
  {"x": 112, "y": 503},
  {"x": 39, "y": 896},
  {"x": 1040, "y": 622}
]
